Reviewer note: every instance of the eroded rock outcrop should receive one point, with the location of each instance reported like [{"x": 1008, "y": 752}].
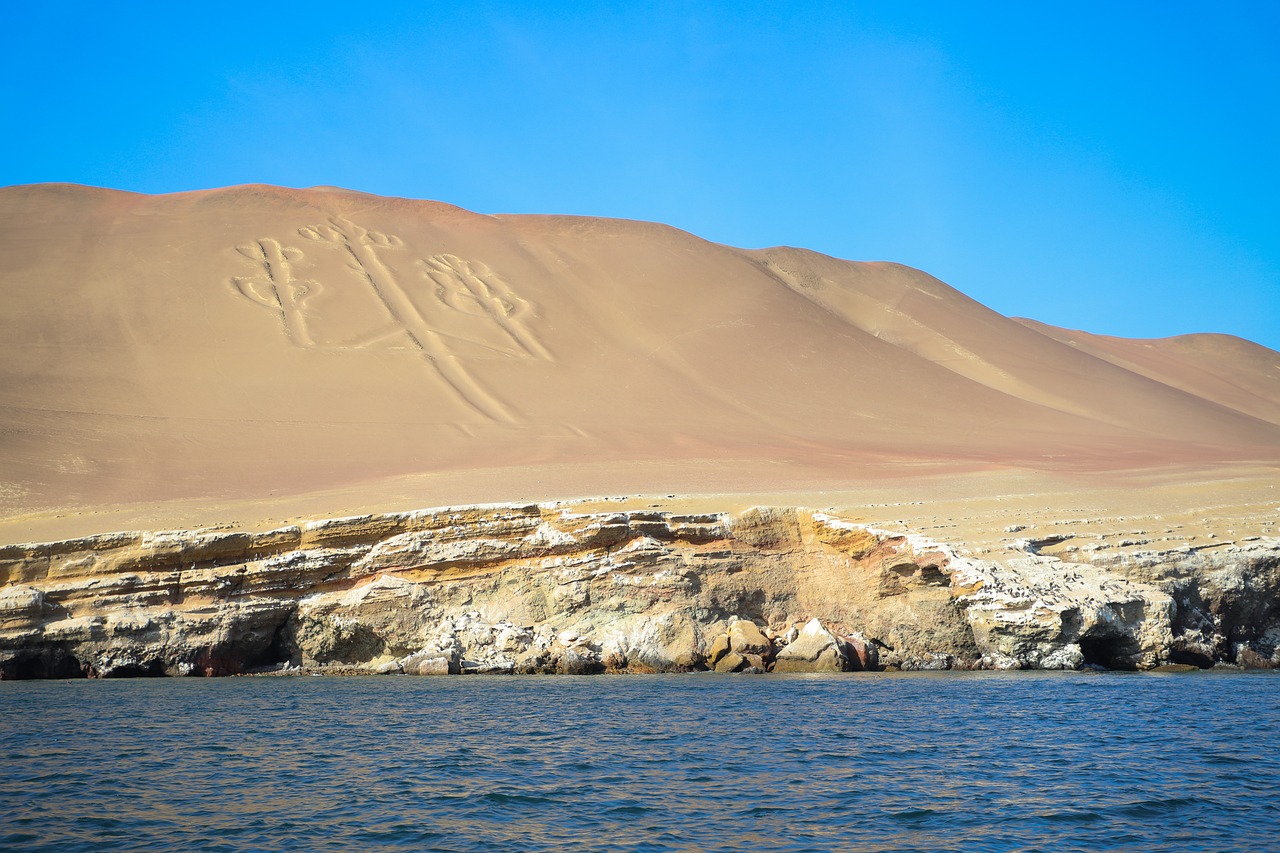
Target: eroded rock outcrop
[
  {"x": 815, "y": 649},
  {"x": 544, "y": 588}
]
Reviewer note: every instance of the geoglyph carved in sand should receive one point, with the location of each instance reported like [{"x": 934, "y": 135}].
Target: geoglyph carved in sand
[
  {"x": 471, "y": 288},
  {"x": 276, "y": 287},
  {"x": 450, "y": 310}
]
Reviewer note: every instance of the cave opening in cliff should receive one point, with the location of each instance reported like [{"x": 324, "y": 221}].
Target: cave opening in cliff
[
  {"x": 1202, "y": 659},
  {"x": 45, "y": 663},
  {"x": 279, "y": 651},
  {"x": 1107, "y": 652},
  {"x": 147, "y": 669}
]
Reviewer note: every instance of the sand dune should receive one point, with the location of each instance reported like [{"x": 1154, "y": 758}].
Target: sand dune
[
  {"x": 257, "y": 342},
  {"x": 1227, "y": 370}
]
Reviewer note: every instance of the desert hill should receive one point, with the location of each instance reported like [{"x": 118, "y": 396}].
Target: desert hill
[
  {"x": 1231, "y": 371},
  {"x": 257, "y": 342}
]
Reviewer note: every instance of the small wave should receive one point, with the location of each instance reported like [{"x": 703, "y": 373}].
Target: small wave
[
  {"x": 13, "y": 839},
  {"x": 501, "y": 798},
  {"x": 628, "y": 811},
  {"x": 1071, "y": 817},
  {"x": 760, "y": 811},
  {"x": 1152, "y": 808}
]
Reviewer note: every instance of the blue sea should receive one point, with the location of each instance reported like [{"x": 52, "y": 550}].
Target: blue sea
[{"x": 858, "y": 762}]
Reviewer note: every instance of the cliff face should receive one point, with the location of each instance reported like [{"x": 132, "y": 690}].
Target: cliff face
[{"x": 545, "y": 588}]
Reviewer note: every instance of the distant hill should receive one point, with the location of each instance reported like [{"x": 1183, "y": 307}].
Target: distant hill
[{"x": 257, "y": 341}]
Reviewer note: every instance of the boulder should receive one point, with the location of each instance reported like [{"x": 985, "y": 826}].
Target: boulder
[
  {"x": 862, "y": 653},
  {"x": 439, "y": 665},
  {"x": 578, "y": 660},
  {"x": 432, "y": 661},
  {"x": 688, "y": 661},
  {"x": 746, "y": 638},
  {"x": 815, "y": 650},
  {"x": 731, "y": 662},
  {"x": 720, "y": 647},
  {"x": 1248, "y": 658}
]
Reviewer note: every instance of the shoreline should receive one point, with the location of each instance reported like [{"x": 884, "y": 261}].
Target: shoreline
[{"x": 601, "y": 585}]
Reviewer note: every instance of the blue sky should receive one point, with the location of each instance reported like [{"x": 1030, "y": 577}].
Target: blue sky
[{"x": 1106, "y": 166}]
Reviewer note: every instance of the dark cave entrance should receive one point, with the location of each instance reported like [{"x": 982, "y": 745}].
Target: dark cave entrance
[
  {"x": 148, "y": 669},
  {"x": 41, "y": 663},
  {"x": 1108, "y": 652},
  {"x": 278, "y": 652},
  {"x": 1195, "y": 658}
]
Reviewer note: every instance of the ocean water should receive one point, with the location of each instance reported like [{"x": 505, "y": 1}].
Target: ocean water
[{"x": 871, "y": 762}]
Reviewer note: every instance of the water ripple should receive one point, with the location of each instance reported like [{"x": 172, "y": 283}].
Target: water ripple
[{"x": 946, "y": 762}]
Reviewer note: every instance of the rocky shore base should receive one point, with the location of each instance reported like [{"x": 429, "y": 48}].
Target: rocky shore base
[{"x": 545, "y": 588}]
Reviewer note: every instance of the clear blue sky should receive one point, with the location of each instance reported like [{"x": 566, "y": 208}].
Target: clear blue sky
[{"x": 1107, "y": 166}]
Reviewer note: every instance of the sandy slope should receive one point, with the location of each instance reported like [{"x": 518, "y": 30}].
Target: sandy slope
[
  {"x": 278, "y": 351},
  {"x": 1227, "y": 370}
]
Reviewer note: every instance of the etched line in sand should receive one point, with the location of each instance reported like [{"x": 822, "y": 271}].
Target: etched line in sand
[
  {"x": 275, "y": 287},
  {"x": 362, "y": 245},
  {"x": 470, "y": 287},
  {"x": 453, "y": 305}
]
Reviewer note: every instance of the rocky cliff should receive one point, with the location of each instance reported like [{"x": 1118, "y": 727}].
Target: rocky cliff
[{"x": 549, "y": 588}]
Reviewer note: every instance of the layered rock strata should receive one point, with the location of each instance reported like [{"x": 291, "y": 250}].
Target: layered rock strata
[{"x": 545, "y": 588}]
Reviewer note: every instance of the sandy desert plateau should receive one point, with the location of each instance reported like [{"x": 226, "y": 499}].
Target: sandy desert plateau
[{"x": 230, "y": 420}]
